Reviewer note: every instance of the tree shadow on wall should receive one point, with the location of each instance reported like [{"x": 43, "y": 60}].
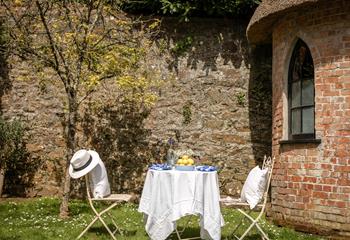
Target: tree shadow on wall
[
  {"x": 117, "y": 133},
  {"x": 203, "y": 40},
  {"x": 5, "y": 80},
  {"x": 260, "y": 101}
]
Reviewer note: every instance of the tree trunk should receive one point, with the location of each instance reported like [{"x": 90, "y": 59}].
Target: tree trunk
[
  {"x": 2, "y": 178},
  {"x": 70, "y": 144},
  {"x": 64, "y": 211}
]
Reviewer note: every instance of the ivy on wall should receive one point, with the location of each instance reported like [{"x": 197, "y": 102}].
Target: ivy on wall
[
  {"x": 187, "y": 113},
  {"x": 182, "y": 46}
]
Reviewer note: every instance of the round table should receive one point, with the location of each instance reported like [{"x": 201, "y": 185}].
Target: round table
[{"x": 169, "y": 195}]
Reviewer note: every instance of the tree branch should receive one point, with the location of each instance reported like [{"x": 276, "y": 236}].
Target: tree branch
[
  {"x": 55, "y": 51},
  {"x": 48, "y": 33}
]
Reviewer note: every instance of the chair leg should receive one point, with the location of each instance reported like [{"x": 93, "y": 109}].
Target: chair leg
[
  {"x": 254, "y": 223},
  {"x": 103, "y": 222},
  {"x": 98, "y": 216},
  {"x": 85, "y": 230},
  {"x": 240, "y": 223},
  {"x": 178, "y": 233},
  {"x": 262, "y": 232},
  {"x": 115, "y": 225},
  {"x": 109, "y": 231},
  {"x": 186, "y": 225},
  {"x": 246, "y": 231},
  {"x": 179, "y": 236}
]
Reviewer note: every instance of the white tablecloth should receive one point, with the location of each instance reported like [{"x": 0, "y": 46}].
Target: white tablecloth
[{"x": 169, "y": 195}]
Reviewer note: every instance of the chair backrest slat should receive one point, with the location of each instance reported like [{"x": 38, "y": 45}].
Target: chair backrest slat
[{"x": 269, "y": 164}]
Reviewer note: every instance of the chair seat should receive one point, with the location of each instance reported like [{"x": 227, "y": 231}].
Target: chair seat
[
  {"x": 236, "y": 203},
  {"x": 115, "y": 198}
]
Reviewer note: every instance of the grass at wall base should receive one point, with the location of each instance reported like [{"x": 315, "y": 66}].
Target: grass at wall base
[{"x": 37, "y": 219}]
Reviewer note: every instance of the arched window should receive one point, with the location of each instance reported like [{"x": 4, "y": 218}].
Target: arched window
[{"x": 301, "y": 93}]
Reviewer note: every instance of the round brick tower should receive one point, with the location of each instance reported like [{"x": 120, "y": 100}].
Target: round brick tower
[{"x": 310, "y": 111}]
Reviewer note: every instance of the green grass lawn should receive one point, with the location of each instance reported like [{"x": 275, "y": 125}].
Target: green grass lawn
[{"x": 38, "y": 219}]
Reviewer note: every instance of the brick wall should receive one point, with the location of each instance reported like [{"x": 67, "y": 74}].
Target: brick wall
[{"x": 311, "y": 183}]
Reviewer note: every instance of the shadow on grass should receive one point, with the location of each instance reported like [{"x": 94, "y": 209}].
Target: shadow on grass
[
  {"x": 77, "y": 208},
  {"x": 101, "y": 230},
  {"x": 10, "y": 238},
  {"x": 252, "y": 235},
  {"x": 192, "y": 232},
  {"x": 19, "y": 237},
  {"x": 189, "y": 232}
]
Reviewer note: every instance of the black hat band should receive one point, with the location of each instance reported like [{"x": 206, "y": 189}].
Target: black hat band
[{"x": 85, "y": 165}]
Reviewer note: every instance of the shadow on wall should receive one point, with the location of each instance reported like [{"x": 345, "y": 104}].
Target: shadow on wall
[
  {"x": 260, "y": 100},
  {"x": 117, "y": 133},
  {"x": 204, "y": 40},
  {"x": 227, "y": 39},
  {"x": 5, "y": 81}
]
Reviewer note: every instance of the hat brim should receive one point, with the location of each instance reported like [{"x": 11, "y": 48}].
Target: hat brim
[{"x": 95, "y": 160}]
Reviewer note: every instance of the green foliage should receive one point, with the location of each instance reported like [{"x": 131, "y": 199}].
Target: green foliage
[
  {"x": 182, "y": 46},
  {"x": 18, "y": 167},
  {"x": 241, "y": 98},
  {"x": 82, "y": 53},
  {"x": 186, "y": 8},
  {"x": 83, "y": 43},
  {"x": 37, "y": 219},
  {"x": 12, "y": 145},
  {"x": 187, "y": 113}
]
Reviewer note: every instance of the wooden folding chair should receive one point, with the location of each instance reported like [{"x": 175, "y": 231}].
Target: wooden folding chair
[
  {"x": 240, "y": 205},
  {"x": 115, "y": 198}
]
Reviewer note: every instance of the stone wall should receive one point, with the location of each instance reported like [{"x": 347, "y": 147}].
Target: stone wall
[
  {"x": 214, "y": 100},
  {"x": 230, "y": 106},
  {"x": 311, "y": 186}
]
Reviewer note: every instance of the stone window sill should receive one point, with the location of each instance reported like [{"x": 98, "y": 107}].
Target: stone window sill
[{"x": 298, "y": 141}]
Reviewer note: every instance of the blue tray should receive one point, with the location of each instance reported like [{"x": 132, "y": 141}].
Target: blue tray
[{"x": 160, "y": 166}]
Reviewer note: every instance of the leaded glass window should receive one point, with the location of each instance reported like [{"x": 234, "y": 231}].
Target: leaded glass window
[{"x": 301, "y": 93}]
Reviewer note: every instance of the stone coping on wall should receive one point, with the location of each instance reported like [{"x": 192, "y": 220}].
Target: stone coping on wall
[{"x": 260, "y": 26}]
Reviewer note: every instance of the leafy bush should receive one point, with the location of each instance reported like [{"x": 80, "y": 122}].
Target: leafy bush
[
  {"x": 186, "y": 8},
  {"x": 11, "y": 141},
  {"x": 14, "y": 157}
]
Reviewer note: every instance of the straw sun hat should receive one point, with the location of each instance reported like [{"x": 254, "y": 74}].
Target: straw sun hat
[{"x": 82, "y": 162}]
